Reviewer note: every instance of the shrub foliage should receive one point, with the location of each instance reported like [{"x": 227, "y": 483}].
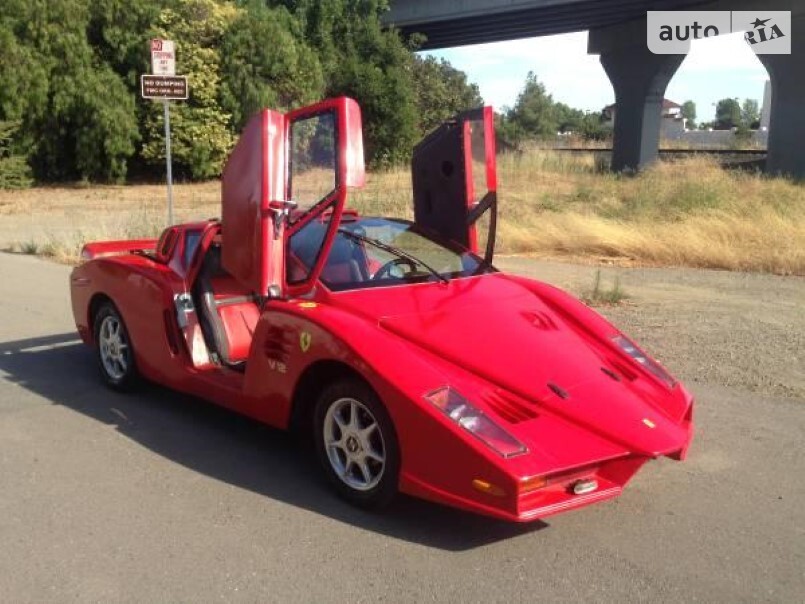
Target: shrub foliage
[{"x": 70, "y": 80}]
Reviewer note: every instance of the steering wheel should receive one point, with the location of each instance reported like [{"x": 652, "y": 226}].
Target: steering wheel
[{"x": 385, "y": 270}]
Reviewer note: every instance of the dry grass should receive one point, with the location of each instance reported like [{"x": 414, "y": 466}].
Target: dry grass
[
  {"x": 603, "y": 295},
  {"x": 107, "y": 198},
  {"x": 56, "y": 221},
  {"x": 685, "y": 213},
  {"x": 689, "y": 212}
]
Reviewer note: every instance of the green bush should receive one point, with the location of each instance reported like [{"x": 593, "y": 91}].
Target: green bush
[
  {"x": 70, "y": 77},
  {"x": 15, "y": 173}
]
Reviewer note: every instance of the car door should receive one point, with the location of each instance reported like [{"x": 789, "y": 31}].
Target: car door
[
  {"x": 286, "y": 171},
  {"x": 454, "y": 176}
]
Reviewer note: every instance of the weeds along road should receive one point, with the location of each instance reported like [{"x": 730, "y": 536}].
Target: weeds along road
[{"x": 157, "y": 497}]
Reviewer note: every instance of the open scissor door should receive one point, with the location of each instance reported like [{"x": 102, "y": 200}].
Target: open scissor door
[
  {"x": 325, "y": 147},
  {"x": 286, "y": 170},
  {"x": 455, "y": 181}
]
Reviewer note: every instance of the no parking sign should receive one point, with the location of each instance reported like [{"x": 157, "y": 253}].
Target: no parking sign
[{"x": 163, "y": 57}]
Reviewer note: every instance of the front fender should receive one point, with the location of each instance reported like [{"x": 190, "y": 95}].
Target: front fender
[
  {"x": 292, "y": 336},
  {"x": 439, "y": 459}
]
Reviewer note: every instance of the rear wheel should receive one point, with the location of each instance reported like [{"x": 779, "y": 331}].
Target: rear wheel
[
  {"x": 356, "y": 444},
  {"x": 113, "y": 349}
]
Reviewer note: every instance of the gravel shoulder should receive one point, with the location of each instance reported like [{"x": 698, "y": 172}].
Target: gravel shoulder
[{"x": 737, "y": 330}]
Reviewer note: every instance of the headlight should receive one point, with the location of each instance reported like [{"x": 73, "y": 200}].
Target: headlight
[
  {"x": 474, "y": 421},
  {"x": 642, "y": 359}
]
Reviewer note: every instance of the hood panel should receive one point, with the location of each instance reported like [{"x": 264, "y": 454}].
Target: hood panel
[{"x": 495, "y": 328}]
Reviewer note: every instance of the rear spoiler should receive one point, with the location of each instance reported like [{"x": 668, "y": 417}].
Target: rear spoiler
[{"x": 103, "y": 249}]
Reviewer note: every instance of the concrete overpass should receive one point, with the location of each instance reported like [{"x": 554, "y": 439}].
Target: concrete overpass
[
  {"x": 448, "y": 23},
  {"x": 618, "y": 34}
]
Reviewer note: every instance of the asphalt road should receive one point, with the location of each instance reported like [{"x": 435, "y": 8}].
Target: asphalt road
[{"x": 161, "y": 498}]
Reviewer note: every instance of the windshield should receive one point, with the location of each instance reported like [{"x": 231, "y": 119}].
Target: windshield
[{"x": 377, "y": 252}]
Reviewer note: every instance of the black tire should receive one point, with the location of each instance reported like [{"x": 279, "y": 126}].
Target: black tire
[
  {"x": 374, "y": 494},
  {"x": 116, "y": 365}
]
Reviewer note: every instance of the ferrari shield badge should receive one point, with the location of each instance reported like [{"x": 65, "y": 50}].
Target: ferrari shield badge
[{"x": 304, "y": 340}]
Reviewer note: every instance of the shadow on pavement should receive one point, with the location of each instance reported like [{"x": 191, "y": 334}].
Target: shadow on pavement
[{"x": 228, "y": 447}]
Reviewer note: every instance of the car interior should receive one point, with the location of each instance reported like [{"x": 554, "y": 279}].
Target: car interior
[
  {"x": 347, "y": 262},
  {"x": 228, "y": 311}
]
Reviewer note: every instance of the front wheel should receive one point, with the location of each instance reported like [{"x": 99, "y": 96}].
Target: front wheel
[
  {"x": 113, "y": 349},
  {"x": 356, "y": 444}
]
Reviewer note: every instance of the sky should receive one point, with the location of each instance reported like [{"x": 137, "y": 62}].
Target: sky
[{"x": 715, "y": 68}]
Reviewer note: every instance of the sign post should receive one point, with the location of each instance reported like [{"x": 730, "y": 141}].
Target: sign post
[
  {"x": 169, "y": 172},
  {"x": 164, "y": 84}
]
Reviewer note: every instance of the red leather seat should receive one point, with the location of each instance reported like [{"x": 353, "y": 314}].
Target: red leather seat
[{"x": 228, "y": 311}]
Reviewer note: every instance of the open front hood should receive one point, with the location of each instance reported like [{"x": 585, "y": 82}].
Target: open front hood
[{"x": 504, "y": 333}]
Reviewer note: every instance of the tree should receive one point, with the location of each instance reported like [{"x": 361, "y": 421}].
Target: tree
[
  {"x": 14, "y": 170},
  {"x": 728, "y": 114},
  {"x": 118, "y": 32},
  {"x": 568, "y": 118},
  {"x": 283, "y": 74},
  {"x": 689, "y": 113},
  {"x": 364, "y": 60},
  {"x": 586, "y": 124},
  {"x": 99, "y": 124},
  {"x": 201, "y": 132},
  {"x": 750, "y": 114},
  {"x": 77, "y": 115},
  {"x": 70, "y": 78},
  {"x": 534, "y": 114},
  {"x": 441, "y": 91},
  {"x": 592, "y": 127}
]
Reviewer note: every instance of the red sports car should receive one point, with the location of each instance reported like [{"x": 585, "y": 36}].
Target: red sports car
[{"x": 415, "y": 365}]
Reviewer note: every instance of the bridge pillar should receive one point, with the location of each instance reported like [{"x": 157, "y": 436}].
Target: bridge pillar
[
  {"x": 639, "y": 78},
  {"x": 787, "y": 128}
]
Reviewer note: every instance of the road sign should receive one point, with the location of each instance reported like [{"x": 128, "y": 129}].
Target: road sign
[
  {"x": 164, "y": 84},
  {"x": 163, "y": 57},
  {"x": 163, "y": 87}
]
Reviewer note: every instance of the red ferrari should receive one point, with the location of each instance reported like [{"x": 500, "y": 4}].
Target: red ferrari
[{"x": 416, "y": 366}]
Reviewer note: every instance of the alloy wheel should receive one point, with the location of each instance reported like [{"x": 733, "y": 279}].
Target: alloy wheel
[{"x": 354, "y": 444}]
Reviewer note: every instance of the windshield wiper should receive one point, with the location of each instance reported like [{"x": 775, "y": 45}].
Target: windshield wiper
[{"x": 396, "y": 251}]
